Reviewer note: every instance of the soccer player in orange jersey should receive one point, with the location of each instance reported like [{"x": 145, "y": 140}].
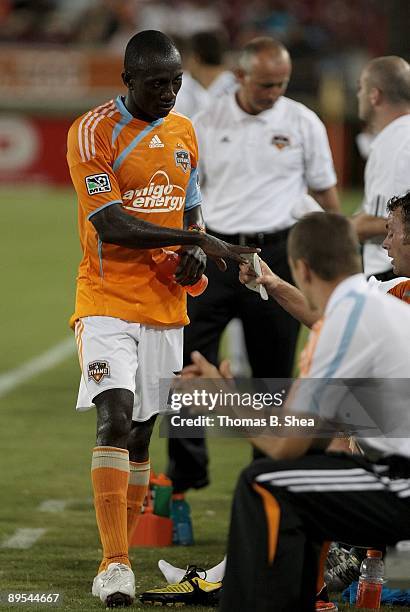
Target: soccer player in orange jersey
[{"x": 133, "y": 163}]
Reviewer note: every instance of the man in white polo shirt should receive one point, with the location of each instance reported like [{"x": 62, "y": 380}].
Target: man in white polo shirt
[
  {"x": 262, "y": 155},
  {"x": 384, "y": 104}
]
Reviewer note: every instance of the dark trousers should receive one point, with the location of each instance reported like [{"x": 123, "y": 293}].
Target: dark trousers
[
  {"x": 270, "y": 336},
  {"x": 348, "y": 503}
]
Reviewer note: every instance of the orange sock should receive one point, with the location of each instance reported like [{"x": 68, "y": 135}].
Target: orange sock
[
  {"x": 137, "y": 489},
  {"x": 109, "y": 475}
]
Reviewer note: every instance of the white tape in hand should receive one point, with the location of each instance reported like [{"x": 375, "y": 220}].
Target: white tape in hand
[{"x": 254, "y": 261}]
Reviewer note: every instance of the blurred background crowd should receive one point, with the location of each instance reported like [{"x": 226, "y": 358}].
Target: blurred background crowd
[
  {"x": 323, "y": 27},
  {"x": 61, "y": 57}
]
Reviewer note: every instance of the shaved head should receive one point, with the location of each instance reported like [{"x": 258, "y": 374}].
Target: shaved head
[
  {"x": 263, "y": 73},
  {"x": 147, "y": 49},
  {"x": 262, "y": 45},
  {"x": 391, "y": 75},
  {"x": 152, "y": 74}
]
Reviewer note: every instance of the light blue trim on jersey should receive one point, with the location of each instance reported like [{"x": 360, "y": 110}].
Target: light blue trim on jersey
[
  {"x": 347, "y": 336},
  {"x": 193, "y": 192},
  {"x": 151, "y": 126},
  {"x": 125, "y": 119},
  {"x": 122, "y": 108},
  {"x": 119, "y": 126},
  {"x": 100, "y": 256},
  {"x": 350, "y": 328},
  {"x": 94, "y": 212}
]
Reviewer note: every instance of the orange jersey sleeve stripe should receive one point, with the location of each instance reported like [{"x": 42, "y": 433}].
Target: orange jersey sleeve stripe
[{"x": 87, "y": 126}]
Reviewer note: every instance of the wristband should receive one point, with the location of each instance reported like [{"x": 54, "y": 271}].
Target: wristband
[{"x": 197, "y": 228}]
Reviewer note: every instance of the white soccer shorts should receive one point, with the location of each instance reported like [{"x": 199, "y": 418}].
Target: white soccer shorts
[{"x": 117, "y": 354}]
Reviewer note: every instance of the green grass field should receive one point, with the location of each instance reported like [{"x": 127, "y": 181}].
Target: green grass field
[{"x": 45, "y": 445}]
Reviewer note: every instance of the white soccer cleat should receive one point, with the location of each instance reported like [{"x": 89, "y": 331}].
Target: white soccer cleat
[
  {"x": 97, "y": 584},
  {"x": 117, "y": 588}
]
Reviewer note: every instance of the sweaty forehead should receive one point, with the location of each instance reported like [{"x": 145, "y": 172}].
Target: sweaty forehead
[
  {"x": 160, "y": 70},
  {"x": 167, "y": 61}
]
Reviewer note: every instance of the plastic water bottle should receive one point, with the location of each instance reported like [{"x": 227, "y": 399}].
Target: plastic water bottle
[
  {"x": 181, "y": 516},
  {"x": 167, "y": 262},
  {"x": 369, "y": 591},
  {"x": 161, "y": 493}
]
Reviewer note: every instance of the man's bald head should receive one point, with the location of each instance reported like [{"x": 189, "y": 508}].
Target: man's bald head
[
  {"x": 263, "y": 45},
  {"x": 264, "y": 69},
  {"x": 390, "y": 75},
  {"x": 147, "y": 49}
]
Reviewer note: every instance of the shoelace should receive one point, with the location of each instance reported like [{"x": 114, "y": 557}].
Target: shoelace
[
  {"x": 192, "y": 571},
  {"x": 120, "y": 568},
  {"x": 347, "y": 571},
  {"x": 336, "y": 556}
]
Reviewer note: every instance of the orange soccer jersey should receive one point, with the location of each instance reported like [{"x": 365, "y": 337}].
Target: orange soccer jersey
[
  {"x": 401, "y": 291},
  {"x": 150, "y": 169}
]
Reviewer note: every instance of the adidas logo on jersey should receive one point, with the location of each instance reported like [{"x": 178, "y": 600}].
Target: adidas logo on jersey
[{"x": 155, "y": 142}]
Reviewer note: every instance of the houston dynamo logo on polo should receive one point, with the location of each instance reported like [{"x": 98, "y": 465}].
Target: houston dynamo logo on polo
[{"x": 159, "y": 196}]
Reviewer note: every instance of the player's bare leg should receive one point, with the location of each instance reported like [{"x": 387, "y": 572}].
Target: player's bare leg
[{"x": 114, "y": 584}]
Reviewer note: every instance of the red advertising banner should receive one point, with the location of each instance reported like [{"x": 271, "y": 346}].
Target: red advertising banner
[{"x": 33, "y": 149}]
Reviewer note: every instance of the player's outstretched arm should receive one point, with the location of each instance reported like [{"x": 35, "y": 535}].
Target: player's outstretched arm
[
  {"x": 288, "y": 296},
  {"x": 114, "y": 226}
]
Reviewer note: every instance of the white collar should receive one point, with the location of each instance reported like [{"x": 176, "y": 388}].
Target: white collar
[{"x": 240, "y": 115}]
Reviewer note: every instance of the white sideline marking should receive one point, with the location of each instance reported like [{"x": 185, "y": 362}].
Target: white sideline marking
[
  {"x": 43, "y": 362},
  {"x": 23, "y": 538},
  {"x": 53, "y": 505},
  {"x": 59, "y": 505}
]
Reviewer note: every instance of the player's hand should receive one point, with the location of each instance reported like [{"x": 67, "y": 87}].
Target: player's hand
[
  {"x": 246, "y": 273},
  {"x": 219, "y": 250},
  {"x": 269, "y": 279},
  {"x": 200, "y": 368},
  {"x": 203, "y": 376},
  {"x": 191, "y": 265}
]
